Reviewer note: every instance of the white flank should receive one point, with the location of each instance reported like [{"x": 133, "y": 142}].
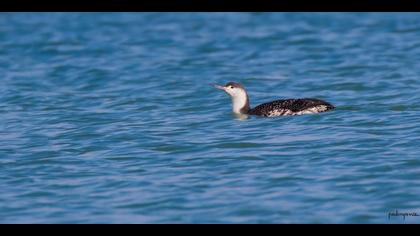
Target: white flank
[{"x": 286, "y": 112}]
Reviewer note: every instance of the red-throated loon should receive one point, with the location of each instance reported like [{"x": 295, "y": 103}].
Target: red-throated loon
[{"x": 287, "y": 107}]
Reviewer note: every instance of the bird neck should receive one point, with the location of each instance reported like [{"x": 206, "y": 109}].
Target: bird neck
[{"x": 240, "y": 103}]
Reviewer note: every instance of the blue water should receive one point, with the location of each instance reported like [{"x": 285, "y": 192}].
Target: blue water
[{"x": 110, "y": 118}]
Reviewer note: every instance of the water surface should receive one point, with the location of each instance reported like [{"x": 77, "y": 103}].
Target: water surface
[{"x": 110, "y": 118}]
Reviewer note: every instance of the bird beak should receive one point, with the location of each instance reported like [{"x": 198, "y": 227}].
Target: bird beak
[{"x": 219, "y": 87}]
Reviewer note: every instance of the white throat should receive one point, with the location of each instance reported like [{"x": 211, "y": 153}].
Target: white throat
[{"x": 239, "y": 101}]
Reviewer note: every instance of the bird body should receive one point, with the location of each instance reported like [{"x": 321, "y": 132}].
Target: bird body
[
  {"x": 291, "y": 107},
  {"x": 286, "y": 107}
]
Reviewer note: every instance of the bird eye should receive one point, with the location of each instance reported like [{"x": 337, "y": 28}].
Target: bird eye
[{"x": 231, "y": 87}]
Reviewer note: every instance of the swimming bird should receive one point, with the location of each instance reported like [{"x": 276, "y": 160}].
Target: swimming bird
[{"x": 286, "y": 107}]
